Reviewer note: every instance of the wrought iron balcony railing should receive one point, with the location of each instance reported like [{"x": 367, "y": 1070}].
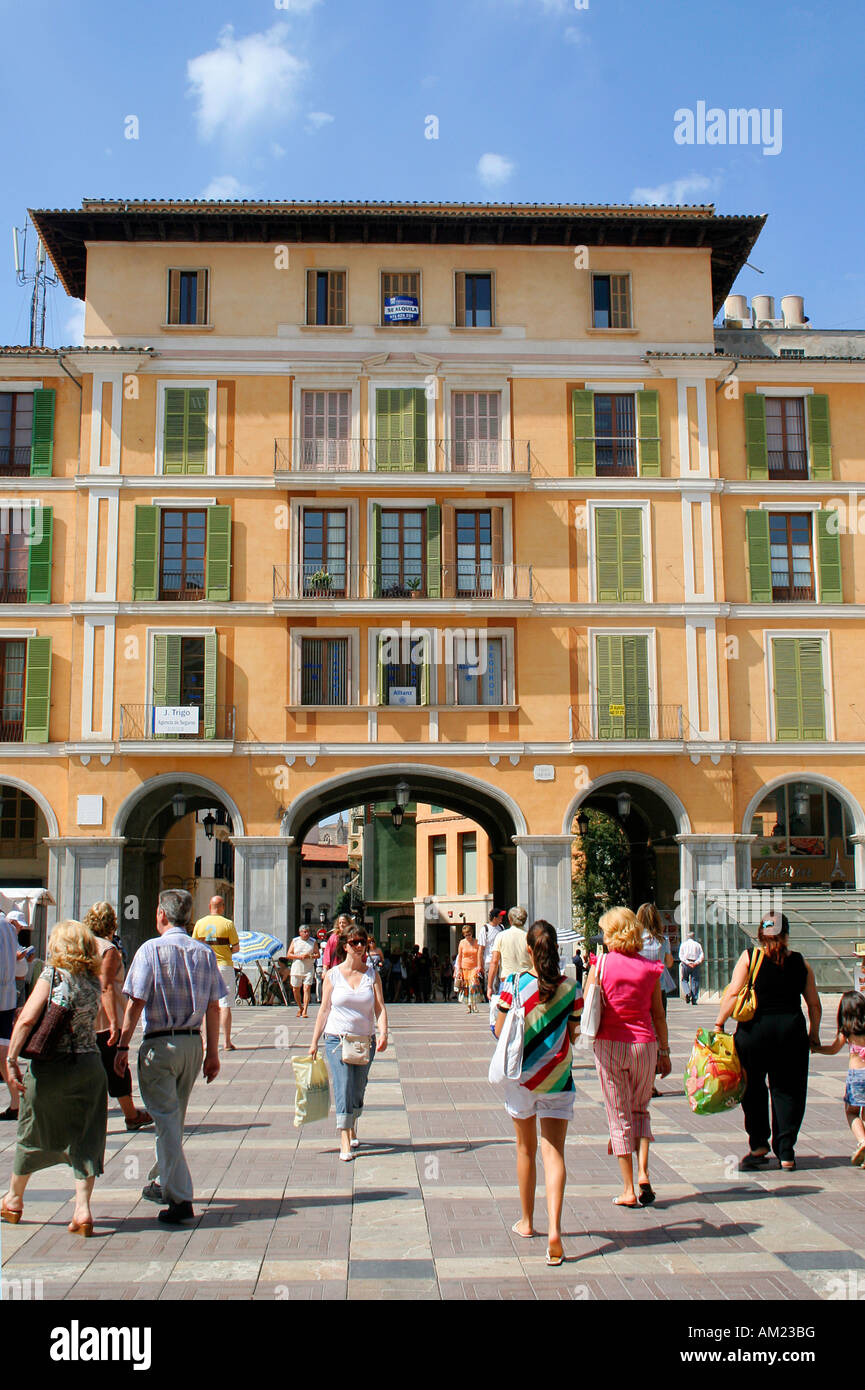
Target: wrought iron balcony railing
[
  {"x": 785, "y": 592},
  {"x": 142, "y": 721},
  {"x": 14, "y": 460},
  {"x": 13, "y": 587},
  {"x": 459, "y": 581},
  {"x": 181, "y": 585},
  {"x": 11, "y": 724},
  {"x": 402, "y": 456},
  {"x": 631, "y": 720}
]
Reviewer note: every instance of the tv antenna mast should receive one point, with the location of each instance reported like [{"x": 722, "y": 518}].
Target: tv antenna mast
[{"x": 40, "y": 277}]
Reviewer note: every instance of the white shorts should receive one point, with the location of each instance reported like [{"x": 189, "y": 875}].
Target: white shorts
[
  {"x": 299, "y": 973},
  {"x": 550, "y": 1105},
  {"x": 226, "y": 974}
]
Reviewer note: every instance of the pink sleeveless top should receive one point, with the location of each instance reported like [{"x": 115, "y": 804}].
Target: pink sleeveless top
[{"x": 628, "y": 985}]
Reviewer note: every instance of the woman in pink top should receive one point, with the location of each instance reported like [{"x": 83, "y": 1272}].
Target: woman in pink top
[{"x": 627, "y": 1051}]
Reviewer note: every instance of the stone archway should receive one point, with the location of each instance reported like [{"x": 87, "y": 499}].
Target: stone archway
[
  {"x": 654, "y": 825},
  {"x": 835, "y": 790}
]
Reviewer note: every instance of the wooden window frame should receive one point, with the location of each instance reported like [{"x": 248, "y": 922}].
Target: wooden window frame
[
  {"x": 786, "y": 471},
  {"x": 401, "y": 583},
  {"x": 460, "y": 298},
  {"x": 477, "y": 590},
  {"x": 9, "y": 469},
  {"x": 13, "y": 804},
  {"x": 11, "y": 729},
  {"x": 328, "y": 639},
  {"x": 306, "y": 587},
  {"x": 617, "y": 441},
  {"x": 12, "y": 539},
  {"x": 202, "y": 297},
  {"x": 417, "y": 275},
  {"x": 312, "y": 319},
  {"x": 786, "y": 593},
  {"x": 613, "y": 276},
  {"x": 185, "y": 592}
]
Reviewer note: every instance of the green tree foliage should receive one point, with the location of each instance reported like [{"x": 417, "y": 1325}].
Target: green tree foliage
[{"x": 601, "y": 877}]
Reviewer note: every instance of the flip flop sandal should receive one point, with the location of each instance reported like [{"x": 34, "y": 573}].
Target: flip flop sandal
[
  {"x": 522, "y": 1234},
  {"x": 555, "y": 1259},
  {"x": 647, "y": 1194}
]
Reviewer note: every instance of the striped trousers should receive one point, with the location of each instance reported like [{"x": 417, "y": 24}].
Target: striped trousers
[{"x": 627, "y": 1073}]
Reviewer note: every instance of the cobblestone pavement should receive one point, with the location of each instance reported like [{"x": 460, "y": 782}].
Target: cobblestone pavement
[{"x": 425, "y": 1212}]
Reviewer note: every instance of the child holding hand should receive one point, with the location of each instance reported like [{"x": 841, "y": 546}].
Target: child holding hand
[{"x": 851, "y": 1033}]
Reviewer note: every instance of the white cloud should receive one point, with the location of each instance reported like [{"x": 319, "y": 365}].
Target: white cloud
[
  {"x": 576, "y": 36},
  {"x": 278, "y": 151},
  {"x": 494, "y": 170},
  {"x": 225, "y": 186},
  {"x": 244, "y": 82},
  {"x": 687, "y": 190},
  {"x": 316, "y": 119},
  {"x": 296, "y": 6},
  {"x": 73, "y": 327}
]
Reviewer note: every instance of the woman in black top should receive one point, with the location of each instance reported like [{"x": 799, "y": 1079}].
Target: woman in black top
[{"x": 775, "y": 1043}]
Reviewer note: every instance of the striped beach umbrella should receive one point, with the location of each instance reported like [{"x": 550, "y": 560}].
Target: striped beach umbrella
[{"x": 256, "y": 945}]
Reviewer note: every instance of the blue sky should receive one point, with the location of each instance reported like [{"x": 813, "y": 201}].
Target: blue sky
[{"x": 536, "y": 101}]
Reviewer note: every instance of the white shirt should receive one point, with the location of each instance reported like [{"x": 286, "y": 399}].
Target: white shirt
[
  {"x": 351, "y": 1010},
  {"x": 486, "y": 940},
  {"x": 691, "y": 952},
  {"x": 8, "y": 958},
  {"x": 306, "y": 949}
]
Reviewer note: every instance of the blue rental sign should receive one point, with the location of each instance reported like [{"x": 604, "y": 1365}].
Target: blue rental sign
[{"x": 401, "y": 308}]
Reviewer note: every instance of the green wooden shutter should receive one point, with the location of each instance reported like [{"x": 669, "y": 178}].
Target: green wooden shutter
[
  {"x": 217, "y": 582},
  {"x": 39, "y": 555},
  {"x": 635, "y": 662},
  {"x": 798, "y": 679},
  {"x": 381, "y": 691},
  {"x": 387, "y": 432},
  {"x": 425, "y": 680},
  {"x": 756, "y": 448},
  {"x": 166, "y": 669},
  {"x": 418, "y": 435},
  {"x": 42, "y": 438},
  {"x": 819, "y": 440},
  {"x": 759, "y": 556},
  {"x": 145, "y": 555},
  {"x": 434, "y": 552},
  {"x": 583, "y": 408},
  {"x": 184, "y": 448},
  {"x": 375, "y": 553},
  {"x": 37, "y": 690},
  {"x": 610, "y": 685},
  {"x": 648, "y": 432},
  {"x": 630, "y": 521},
  {"x": 607, "y": 555},
  {"x": 210, "y": 685},
  {"x": 829, "y": 557}
]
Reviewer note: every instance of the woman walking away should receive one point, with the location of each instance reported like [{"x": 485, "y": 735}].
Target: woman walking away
[
  {"x": 630, "y": 1045},
  {"x": 102, "y": 921},
  {"x": 775, "y": 1043},
  {"x": 851, "y": 1033},
  {"x": 656, "y": 946},
  {"x": 545, "y": 1090},
  {"x": 64, "y": 1102},
  {"x": 468, "y": 968},
  {"x": 351, "y": 1004}
]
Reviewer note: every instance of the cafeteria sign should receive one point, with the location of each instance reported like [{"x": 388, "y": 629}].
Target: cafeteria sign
[
  {"x": 176, "y": 719},
  {"x": 401, "y": 308}
]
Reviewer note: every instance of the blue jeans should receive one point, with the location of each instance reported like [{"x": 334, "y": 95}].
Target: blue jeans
[{"x": 348, "y": 1081}]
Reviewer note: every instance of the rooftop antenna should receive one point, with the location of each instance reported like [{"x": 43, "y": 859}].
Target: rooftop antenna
[{"x": 40, "y": 277}]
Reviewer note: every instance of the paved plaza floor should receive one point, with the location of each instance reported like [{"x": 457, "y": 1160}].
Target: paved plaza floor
[{"x": 425, "y": 1211}]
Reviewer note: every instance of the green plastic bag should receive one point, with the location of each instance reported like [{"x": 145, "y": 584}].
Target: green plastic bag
[
  {"x": 313, "y": 1090},
  {"x": 714, "y": 1077}
]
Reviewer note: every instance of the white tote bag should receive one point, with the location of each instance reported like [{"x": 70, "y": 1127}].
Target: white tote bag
[
  {"x": 593, "y": 1009},
  {"x": 507, "y": 1060}
]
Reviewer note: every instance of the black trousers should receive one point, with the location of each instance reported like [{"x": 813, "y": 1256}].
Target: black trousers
[{"x": 774, "y": 1048}]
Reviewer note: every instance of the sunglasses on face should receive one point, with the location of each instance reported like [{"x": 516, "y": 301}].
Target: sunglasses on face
[{"x": 357, "y": 941}]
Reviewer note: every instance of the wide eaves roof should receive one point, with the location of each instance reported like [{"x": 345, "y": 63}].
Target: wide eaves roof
[{"x": 65, "y": 231}]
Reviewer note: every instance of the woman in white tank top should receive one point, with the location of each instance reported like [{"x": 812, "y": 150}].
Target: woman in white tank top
[{"x": 351, "y": 1004}]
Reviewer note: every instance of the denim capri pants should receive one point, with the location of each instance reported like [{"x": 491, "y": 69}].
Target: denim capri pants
[{"x": 348, "y": 1081}]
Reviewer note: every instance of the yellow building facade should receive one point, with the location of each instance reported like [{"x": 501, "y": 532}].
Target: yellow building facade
[{"x": 476, "y": 499}]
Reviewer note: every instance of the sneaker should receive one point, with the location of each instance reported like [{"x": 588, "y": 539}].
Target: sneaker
[
  {"x": 176, "y": 1212},
  {"x": 152, "y": 1193}
]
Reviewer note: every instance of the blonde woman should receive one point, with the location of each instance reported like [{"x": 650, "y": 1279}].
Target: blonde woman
[
  {"x": 102, "y": 921},
  {"x": 64, "y": 1102},
  {"x": 630, "y": 1043},
  {"x": 469, "y": 965}
]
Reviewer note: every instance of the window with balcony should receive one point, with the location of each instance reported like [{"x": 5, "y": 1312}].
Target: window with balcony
[
  {"x": 791, "y": 554},
  {"x": 182, "y": 554},
  {"x": 798, "y": 688},
  {"x": 183, "y": 700},
  {"x": 187, "y": 297},
  {"x": 401, "y": 430},
  {"x": 787, "y": 436},
  {"x": 325, "y": 540},
  {"x": 324, "y": 676},
  {"x": 475, "y": 301},
  {"x": 14, "y": 553},
  {"x": 611, "y": 301},
  {"x": 183, "y": 550},
  {"x": 13, "y": 662},
  {"x": 400, "y": 298},
  {"x": 622, "y": 698},
  {"x": 25, "y": 554},
  {"x": 325, "y": 444},
  {"x": 474, "y": 554},
  {"x": 402, "y": 553},
  {"x": 326, "y": 298},
  {"x": 25, "y": 689},
  {"x": 616, "y": 436},
  {"x": 26, "y": 433},
  {"x": 476, "y": 445}
]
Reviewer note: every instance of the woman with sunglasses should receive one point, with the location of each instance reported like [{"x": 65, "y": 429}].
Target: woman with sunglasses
[{"x": 351, "y": 1004}]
